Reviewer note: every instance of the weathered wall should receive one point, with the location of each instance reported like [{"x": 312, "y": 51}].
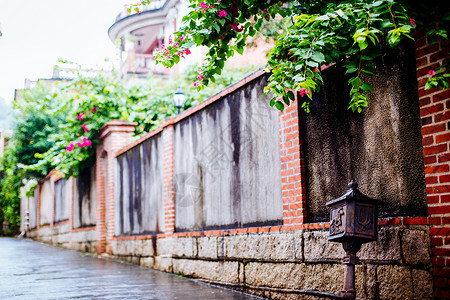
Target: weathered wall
[
  {"x": 62, "y": 236},
  {"x": 62, "y": 205},
  {"x": 139, "y": 206},
  {"x": 85, "y": 199},
  {"x": 380, "y": 148},
  {"x": 227, "y": 163},
  {"x": 46, "y": 202}
]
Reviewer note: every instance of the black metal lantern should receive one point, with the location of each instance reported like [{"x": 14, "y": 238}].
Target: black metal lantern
[
  {"x": 179, "y": 99},
  {"x": 353, "y": 221}
]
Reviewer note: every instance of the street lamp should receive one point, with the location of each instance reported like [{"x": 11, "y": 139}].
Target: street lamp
[
  {"x": 302, "y": 10},
  {"x": 179, "y": 98}
]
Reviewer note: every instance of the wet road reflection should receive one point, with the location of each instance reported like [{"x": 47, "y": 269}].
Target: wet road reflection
[{"x": 31, "y": 270}]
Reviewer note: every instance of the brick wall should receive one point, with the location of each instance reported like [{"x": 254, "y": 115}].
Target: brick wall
[
  {"x": 113, "y": 136},
  {"x": 435, "y": 115},
  {"x": 168, "y": 179},
  {"x": 292, "y": 167}
]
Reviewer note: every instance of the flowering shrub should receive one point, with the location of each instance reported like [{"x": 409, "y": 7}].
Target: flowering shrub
[
  {"x": 86, "y": 104},
  {"x": 326, "y": 32}
]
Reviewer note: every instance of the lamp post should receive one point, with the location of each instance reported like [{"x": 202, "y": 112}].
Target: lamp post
[
  {"x": 179, "y": 99},
  {"x": 300, "y": 8}
]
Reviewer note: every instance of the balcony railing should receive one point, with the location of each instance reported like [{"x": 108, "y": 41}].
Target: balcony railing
[
  {"x": 154, "y": 5},
  {"x": 142, "y": 64}
]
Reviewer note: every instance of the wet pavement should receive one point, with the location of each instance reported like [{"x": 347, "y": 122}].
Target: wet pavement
[{"x": 32, "y": 270}]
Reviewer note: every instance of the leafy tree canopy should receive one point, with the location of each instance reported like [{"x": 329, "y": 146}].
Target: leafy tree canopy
[{"x": 321, "y": 33}]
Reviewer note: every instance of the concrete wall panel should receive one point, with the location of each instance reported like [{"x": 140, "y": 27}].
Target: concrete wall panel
[
  {"x": 85, "y": 199},
  {"x": 62, "y": 205},
  {"x": 46, "y": 205},
  {"x": 227, "y": 163},
  {"x": 139, "y": 206}
]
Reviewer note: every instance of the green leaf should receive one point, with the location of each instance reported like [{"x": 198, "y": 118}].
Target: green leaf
[
  {"x": 351, "y": 70},
  {"x": 291, "y": 96},
  {"x": 216, "y": 27},
  {"x": 322, "y": 18},
  {"x": 279, "y": 105},
  {"x": 272, "y": 101},
  {"x": 312, "y": 64},
  {"x": 377, "y": 3},
  {"x": 318, "y": 57},
  {"x": 176, "y": 58},
  {"x": 199, "y": 38}
]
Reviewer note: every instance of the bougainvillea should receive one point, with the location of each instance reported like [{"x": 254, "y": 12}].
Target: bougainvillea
[{"x": 321, "y": 33}]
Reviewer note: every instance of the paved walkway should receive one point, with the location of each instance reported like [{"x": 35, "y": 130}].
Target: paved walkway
[{"x": 31, "y": 270}]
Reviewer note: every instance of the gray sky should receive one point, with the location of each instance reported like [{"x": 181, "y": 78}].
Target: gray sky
[{"x": 38, "y": 32}]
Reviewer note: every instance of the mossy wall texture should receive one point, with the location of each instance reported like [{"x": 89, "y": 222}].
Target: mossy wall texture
[{"x": 380, "y": 148}]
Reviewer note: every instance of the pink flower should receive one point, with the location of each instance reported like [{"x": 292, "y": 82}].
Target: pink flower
[
  {"x": 176, "y": 45},
  {"x": 85, "y": 128},
  {"x": 80, "y": 116},
  {"x": 94, "y": 109},
  {"x": 203, "y": 5},
  {"x": 196, "y": 84},
  {"x": 187, "y": 51},
  {"x": 81, "y": 145},
  {"x": 182, "y": 38},
  {"x": 303, "y": 92},
  {"x": 201, "y": 77},
  {"x": 87, "y": 143},
  {"x": 236, "y": 27},
  {"x": 431, "y": 72},
  {"x": 222, "y": 14},
  {"x": 413, "y": 22},
  {"x": 70, "y": 147}
]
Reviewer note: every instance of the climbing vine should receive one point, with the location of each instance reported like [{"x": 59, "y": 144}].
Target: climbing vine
[{"x": 321, "y": 33}]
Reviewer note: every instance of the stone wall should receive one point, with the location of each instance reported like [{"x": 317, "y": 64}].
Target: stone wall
[
  {"x": 62, "y": 236},
  {"x": 288, "y": 265}
]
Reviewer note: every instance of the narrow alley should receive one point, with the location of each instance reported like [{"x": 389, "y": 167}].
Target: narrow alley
[{"x": 32, "y": 270}]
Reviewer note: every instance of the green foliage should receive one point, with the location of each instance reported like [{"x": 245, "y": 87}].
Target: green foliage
[
  {"x": 89, "y": 102},
  {"x": 330, "y": 32},
  {"x": 439, "y": 77},
  {"x": 10, "y": 182}
]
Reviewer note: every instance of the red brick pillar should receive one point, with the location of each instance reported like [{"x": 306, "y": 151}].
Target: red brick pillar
[
  {"x": 168, "y": 178},
  {"x": 292, "y": 167},
  {"x": 435, "y": 115},
  {"x": 113, "y": 136}
]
